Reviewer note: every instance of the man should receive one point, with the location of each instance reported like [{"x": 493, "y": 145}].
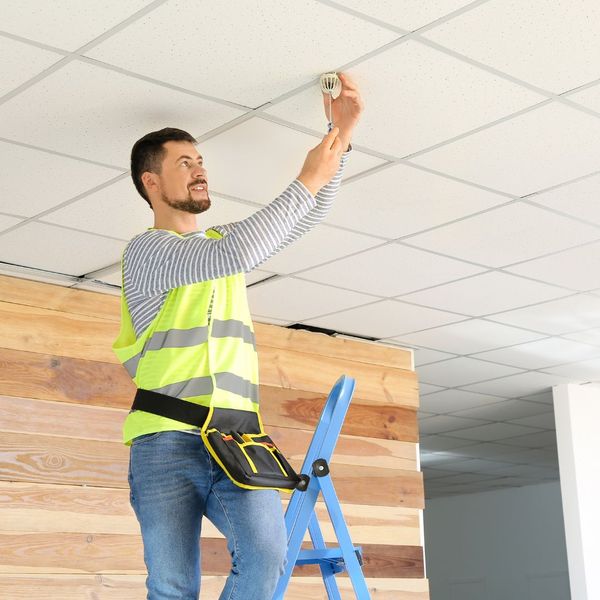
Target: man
[{"x": 187, "y": 341}]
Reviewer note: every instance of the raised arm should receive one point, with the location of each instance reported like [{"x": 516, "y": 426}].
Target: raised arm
[{"x": 168, "y": 260}]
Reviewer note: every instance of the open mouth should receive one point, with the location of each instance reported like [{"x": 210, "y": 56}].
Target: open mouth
[{"x": 199, "y": 187}]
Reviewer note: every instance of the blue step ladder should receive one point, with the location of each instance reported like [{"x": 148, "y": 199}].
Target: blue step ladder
[{"x": 300, "y": 514}]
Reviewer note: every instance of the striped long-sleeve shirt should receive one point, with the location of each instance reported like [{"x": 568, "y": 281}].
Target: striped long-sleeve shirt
[{"x": 157, "y": 261}]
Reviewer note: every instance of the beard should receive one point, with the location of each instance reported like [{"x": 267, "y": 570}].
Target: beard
[{"x": 188, "y": 204}]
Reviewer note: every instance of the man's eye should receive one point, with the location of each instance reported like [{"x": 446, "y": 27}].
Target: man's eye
[{"x": 185, "y": 163}]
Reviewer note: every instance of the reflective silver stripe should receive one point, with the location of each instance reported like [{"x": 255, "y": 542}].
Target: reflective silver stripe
[
  {"x": 233, "y": 328},
  {"x": 172, "y": 338},
  {"x": 197, "y": 386},
  {"x": 177, "y": 338},
  {"x": 132, "y": 364},
  {"x": 237, "y": 385}
]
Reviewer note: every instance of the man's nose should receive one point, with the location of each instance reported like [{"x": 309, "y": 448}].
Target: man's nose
[{"x": 199, "y": 171}]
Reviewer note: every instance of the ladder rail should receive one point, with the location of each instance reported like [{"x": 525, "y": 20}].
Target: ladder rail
[{"x": 300, "y": 515}]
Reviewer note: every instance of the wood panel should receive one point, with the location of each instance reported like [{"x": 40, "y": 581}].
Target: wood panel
[
  {"x": 79, "y": 509},
  {"x": 130, "y": 587},
  {"x": 62, "y": 552},
  {"x": 27, "y": 415},
  {"x": 63, "y": 379},
  {"x": 73, "y": 461},
  {"x": 64, "y": 497},
  {"x": 80, "y": 336},
  {"x": 82, "y": 302}
]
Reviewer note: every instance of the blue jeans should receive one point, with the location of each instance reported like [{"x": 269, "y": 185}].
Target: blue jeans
[{"x": 174, "y": 481}]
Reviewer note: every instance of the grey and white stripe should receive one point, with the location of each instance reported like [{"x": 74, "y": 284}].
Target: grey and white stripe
[{"x": 157, "y": 261}]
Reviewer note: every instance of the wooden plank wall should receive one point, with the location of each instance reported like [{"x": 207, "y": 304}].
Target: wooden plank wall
[{"x": 66, "y": 527}]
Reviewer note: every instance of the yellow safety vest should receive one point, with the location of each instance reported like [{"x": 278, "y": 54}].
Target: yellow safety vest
[{"x": 201, "y": 348}]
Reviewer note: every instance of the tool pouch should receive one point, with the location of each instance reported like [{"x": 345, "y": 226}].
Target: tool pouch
[
  {"x": 248, "y": 456},
  {"x": 235, "y": 439}
]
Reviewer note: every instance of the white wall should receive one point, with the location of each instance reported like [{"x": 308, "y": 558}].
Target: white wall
[
  {"x": 577, "y": 413},
  {"x": 501, "y": 545}
]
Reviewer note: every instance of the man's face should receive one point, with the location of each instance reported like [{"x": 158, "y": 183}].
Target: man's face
[{"x": 183, "y": 181}]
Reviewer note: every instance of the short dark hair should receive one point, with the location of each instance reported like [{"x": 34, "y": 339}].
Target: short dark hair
[{"x": 148, "y": 152}]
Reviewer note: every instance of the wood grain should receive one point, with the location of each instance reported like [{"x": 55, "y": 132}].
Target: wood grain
[
  {"x": 77, "y": 509},
  {"x": 94, "y": 304},
  {"x": 53, "y": 459},
  {"x": 72, "y": 335},
  {"x": 59, "y": 298},
  {"x": 76, "y": 381},
  {"x": 62, "y": 552},
  {"x": 132, "y": 587},
  {"x": 335, "y": 347},
  {"x": 25, "y": 415}
]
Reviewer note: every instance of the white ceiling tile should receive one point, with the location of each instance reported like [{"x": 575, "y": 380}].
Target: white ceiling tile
[
  {"x": 506, "y": 235},
  {"x": 544, "y": 397},
  {"x": 542, "y": 439},
  {"x": 516, "y": 386},
  {"x": 543, "y": 421},
  {"x": 475, "y": 465},
  {"x": 257, "y": 275},
  {"x": 426, "y": 388},
  {"x": 99, "y": 288},
  {"x": 485, "y": 294},
  {"x": 271, "y": 321},
  {"x": 587, "y": 370},
  {"x": 267, "y": 158},
  {"x": 199, "y": 44},
  {"x": 402, "y": 200},
  {"x": 491, "y": 451},
  {"x": 551, "y": 45},
  {"x": 492, "y": 432},
  {"x": 589, "y": 97},
  {"x": 20, "y": 62},
  {"x": 468, "y": 337},
  {"x": 565, "y": 315},
  {"x": 390, "y": 270},
  {"x": 294, "y": 300},
  {"x": 112, "y": 276},
  {"x": 410, "y": 15},
  {"x": 64, "y": 23},
  {"x": 98, "y": 114},
  {"x": 591, "y": 336},
  {"x": 505, "y": 410},
  {"x": 445, "y": 423},
  {"x": 423, "y": 356},
  {"x": 56, "y": 249},
  {"x": 63, "y": 178},
  {"x": 7, "y": 221},
  {"x": 431, "y": 95},
  {"x": 577, "y": 268},
  {"x": 119, "y": 211},
  {"x": 439, "y": 443},
  {"x": 380, "y": 319},
  {"x": 436, "y": 459},
  {"x": 541, "y": 353},
  {"x": 447, "y": 401},
  {"x": 319, "y": 245},
  {"x": 578, "y": 199},
  {"x": 531, "y": 152},
  {"x": 462, "y": 371}
]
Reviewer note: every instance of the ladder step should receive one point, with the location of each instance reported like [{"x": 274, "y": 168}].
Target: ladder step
[{"x": 314, "y": 557}]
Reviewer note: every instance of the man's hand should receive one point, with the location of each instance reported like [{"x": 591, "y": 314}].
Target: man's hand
[
  {"x": 346, "y": 109},
  {"x": 322, "y": 162}
]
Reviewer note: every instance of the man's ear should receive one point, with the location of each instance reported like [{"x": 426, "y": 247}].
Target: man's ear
[{"x": 150, "y": 181}]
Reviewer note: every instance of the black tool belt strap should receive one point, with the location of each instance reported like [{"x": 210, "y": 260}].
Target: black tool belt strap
[{"x": 170, "y": 407}]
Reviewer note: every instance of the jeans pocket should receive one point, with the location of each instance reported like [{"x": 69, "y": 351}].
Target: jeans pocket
[{"x": 146, "y": 437}]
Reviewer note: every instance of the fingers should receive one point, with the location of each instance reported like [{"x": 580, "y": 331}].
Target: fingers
[
  {"x": 347, "y": 82},
  {"x": 330, "y": 138}
]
